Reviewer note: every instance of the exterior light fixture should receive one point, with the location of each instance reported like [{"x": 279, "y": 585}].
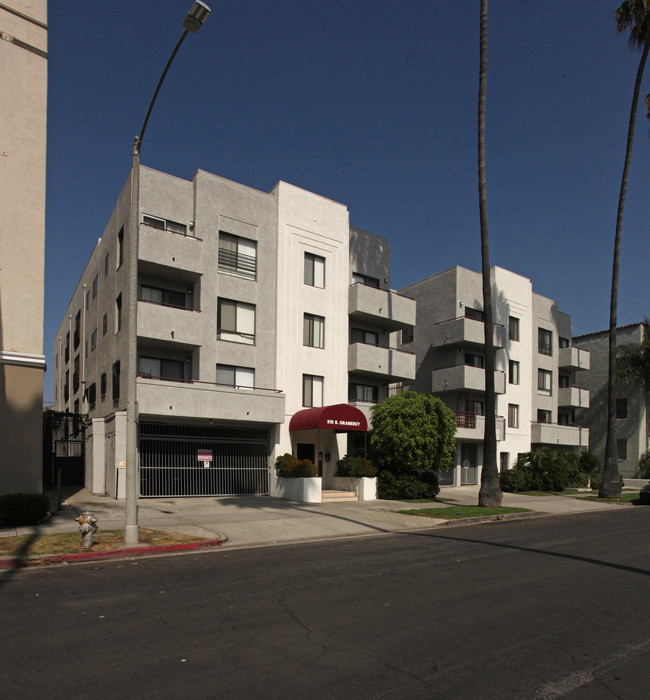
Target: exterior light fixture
[{"x": 196, "y": 16}]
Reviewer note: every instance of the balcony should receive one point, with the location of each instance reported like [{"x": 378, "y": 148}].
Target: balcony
[
  {"x": 387, "y": 363},
  {"x": 169, "y": 323},
  {"x": 573, "y": 358},
  {"x": 465, "y": 378},
  {"x": 471, "y": 426},
  {"x": 555, "y": 434},
  {"x": 170, "y": 249},
  {"x": 573, "y": 397},
  {"x": 465, "y": 330},
  {"x": 194, "y": 399},
  {"x": 388, "y": 309}
]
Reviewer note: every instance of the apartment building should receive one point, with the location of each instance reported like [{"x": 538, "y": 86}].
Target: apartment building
[
  {"x": 536, "y": 365},
  {"x": 23, "y": 116},
  {"x": 263, "y": 323},
  {"x": 632, "y": 401}
]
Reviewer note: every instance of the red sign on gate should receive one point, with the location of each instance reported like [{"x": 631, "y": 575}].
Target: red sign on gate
[{"x": 204, "y": 455}]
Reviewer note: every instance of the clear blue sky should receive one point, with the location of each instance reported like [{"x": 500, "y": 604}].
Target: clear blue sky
[{"x": 372, "y": 104}]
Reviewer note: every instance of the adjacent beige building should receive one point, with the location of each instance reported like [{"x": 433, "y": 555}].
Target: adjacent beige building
[{"x": 23, "y": 118}]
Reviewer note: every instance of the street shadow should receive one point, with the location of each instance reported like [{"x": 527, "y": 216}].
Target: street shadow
[
  {"x": 532, "y": 550},
  {"x": 19, "y": 562}
]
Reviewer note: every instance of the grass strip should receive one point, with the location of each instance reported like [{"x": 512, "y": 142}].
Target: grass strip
[
  {"x": 70, "y": 542},
  {"x": 458, "y": 512}
]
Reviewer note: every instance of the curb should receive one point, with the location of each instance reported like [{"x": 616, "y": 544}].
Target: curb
[{"x": 75, "y": 558}]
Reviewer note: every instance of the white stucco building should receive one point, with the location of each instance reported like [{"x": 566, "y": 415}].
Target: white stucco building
[
  {"x": 536, "y": 365},
  {"x": 254, "y": 311},
  {"x": 23, "y": 121}
]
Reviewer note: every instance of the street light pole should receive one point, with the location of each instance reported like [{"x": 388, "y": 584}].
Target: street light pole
[{"x": 192, "y": 23}]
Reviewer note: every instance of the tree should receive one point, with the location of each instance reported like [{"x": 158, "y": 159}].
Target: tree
[
  {"x": 414, "y": 432},
  {"x": 635, "y": 16},
  {"x": 490, "y": 494},
  {"x": 633, "y": 365}
]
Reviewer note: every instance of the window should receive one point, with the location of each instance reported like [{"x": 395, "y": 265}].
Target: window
[
  {"x": 77, "y": 330},
  {"x": 513, "y": 415},
  {"x": 164, "y": 224},
  {"x": 564, "y": 381},
  {"x": 564, "y": 342},
  {"x": 86, "y": 350},
  {"x": 363, "y": 392},
  {"x": 544, "y": 341},
  {"x": 505, "y": 461},
  {"x": 544, "y": 381},
  {"x": 239, "y": 377},
  {"x": 118, "y": 313},
  {"x": 236, "y": 321},
  {"x": 75, "y": 376},
  {"x": 87, "y": 299},
  {"x": 67, "y": 348},
  {"x": 93, "y": 340},
  {"x": 358, "y": 335},
  {"x": 92, "y": 395},
  {"x": 106, "y": 259},
  {"x": 621, "y": 408},
  {"x": 104, "y": 324},
  {"x": 313, "y": 331},
  {"x": 102, "y": 385},
  {"x": 168, "y": 297},
  {"x": 513, "y": 372},
  {"x": 158, "y": 368},
  {"x": 237, "y": 256},
  {"x": 513, "y": 328},
  {"x": 543, "y": 416},
  {"x": 621, "y": 449},
  {"x": 473, "y": 406},
  {"x": 564, "y": 418},
  {"x": 474, "y": 360},
  {"x": 314, "y": 270},
  {"x": 312, "y": 390},
  {"x": 357, "y": 277},
  {"x": 407, "y": 335},
  {"x": 116, "y": 380},
  {"x": 95, "y": 286},
  {"x": 66, "y": 386},
  {"x": 474, "y": 314},
  {"x": 120, "y": 247}
]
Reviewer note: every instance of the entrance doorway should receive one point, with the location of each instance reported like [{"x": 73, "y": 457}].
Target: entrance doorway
[{"x": 468, "y": 463}]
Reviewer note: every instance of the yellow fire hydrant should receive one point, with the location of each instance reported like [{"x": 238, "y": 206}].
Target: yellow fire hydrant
[{"x": 87, "y": 527}]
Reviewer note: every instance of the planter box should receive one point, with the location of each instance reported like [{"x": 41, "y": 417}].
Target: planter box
[
  {"x": 306, "y": 490},
  {"x": 365, "y": 487}
]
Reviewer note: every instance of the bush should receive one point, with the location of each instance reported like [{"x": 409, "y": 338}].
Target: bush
[
  {"x": 291, "y": 468},
  {"x": 407, "y": 486},
  {"x": 596, "y": 482},
  {"x": 514, "y": 480},
  {"x": 18, "y": 509},
  {"x": 354, "y": 466}
]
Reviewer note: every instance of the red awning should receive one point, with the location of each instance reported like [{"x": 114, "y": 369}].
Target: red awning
[{"x": 340, "y": 417}]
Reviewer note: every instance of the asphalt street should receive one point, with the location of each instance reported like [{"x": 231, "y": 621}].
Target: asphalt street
[{"x": 537, "y": 608}]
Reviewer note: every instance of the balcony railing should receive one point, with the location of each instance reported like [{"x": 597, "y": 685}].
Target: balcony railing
[
  {"x": 238, "y": 264},
  {"x": 557, "y": 434},
  {"x": 472, "y": 426},
  {"x": 180, "y": 231},
  {"x": 465, "y": 378},
  {"x": 455, "y": 331},
  {"x": 380, "y": 307}
]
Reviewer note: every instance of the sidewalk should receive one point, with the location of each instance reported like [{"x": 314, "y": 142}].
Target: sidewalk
[{"x": 245, "y": 521}]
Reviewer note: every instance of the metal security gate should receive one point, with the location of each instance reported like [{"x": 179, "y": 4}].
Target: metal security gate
[{"x": 181, "y": 460}]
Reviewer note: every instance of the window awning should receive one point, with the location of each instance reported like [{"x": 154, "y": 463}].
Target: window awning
[{"x": 340, "y": 417}]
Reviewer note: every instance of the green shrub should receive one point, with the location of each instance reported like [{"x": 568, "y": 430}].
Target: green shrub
[
  {"x": 291, "y": 468},
  {"x": 18, "y": 509},
  {"x": 596, "y": 482},
  {"x": 407, "y": 486},
  {"x": 551, "y": 470},
  {"x": 514, "y": 480},
  {"x": 355, "y": 467}
]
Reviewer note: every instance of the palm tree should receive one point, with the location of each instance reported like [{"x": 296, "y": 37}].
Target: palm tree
[
  {"x": 635, "y": 16},
  {"x": 489, "y": 494}
]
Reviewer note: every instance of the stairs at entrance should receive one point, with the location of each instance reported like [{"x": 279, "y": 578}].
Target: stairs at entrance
[{"x": 329, "y": 496}]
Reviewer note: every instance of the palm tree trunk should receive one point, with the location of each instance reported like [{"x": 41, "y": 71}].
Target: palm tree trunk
[
  {"x": 610, "y": 486},
  {"x": 490, "y": 492}
]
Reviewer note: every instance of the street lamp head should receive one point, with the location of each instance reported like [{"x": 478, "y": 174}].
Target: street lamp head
[{"x": 196, "y": 16}]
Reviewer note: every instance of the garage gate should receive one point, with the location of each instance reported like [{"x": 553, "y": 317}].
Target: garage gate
[{"x": 181, "y": 460}]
